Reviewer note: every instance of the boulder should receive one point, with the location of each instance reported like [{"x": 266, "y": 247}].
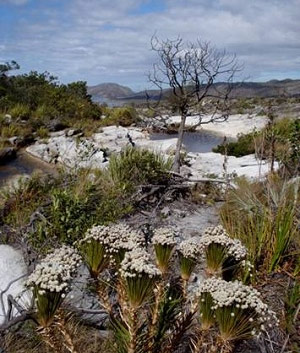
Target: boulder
[{"x": 12, "y": 267}]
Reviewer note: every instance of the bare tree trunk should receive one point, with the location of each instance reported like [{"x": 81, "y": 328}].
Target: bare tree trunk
[{"x": 176, "y": 164}]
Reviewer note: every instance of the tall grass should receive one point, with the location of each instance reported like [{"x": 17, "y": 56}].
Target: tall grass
[
  {"x": 264, "y": 217},
  {"x": 136, "y": 166}
]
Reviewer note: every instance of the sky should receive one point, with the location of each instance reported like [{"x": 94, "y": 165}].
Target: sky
[{"x": 109, "y": 40}]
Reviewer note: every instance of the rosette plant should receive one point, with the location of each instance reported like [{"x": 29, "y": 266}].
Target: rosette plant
[
  {"x": 94, "y": 250},
  {"x": 237, "y": 309},
  {"x": 50, "y": 282},
  {"x": 224, "y": 256},
  {"x": 164, "y": 242}
]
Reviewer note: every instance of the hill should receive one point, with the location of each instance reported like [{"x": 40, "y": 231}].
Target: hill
[
  {"x": 273, "y": 88},
  {"x": 110, "y": 91}
]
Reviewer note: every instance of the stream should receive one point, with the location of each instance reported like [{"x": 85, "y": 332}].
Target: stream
[{"x": 23, "y": 165}]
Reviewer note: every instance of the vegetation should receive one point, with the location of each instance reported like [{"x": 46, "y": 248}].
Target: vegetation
[
  {"x": 190, "y": 78},
  {"x": 139, "y": 318},
  {"x": 74, "y": 200},
  {"x": 279, "y": 141},
  {"x": 265, "y": 217},
  {"x": 38, "y": 103}
]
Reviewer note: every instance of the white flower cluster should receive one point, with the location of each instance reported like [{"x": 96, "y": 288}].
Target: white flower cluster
[
  {"x": 114, "y": 237},
  {"x": 237, "y": 294},
  {"x": 138, "y": 262},
  {"x": 215, "y": 230},
  {"x": 55, "y": 271},
  {"x": 97, "y": 233},
  {"x": 164, "y": 236},
  {"x": 218, "y": 235},
  {"x": 189, "y": 248},
  {"x": 123, "y": 237}
]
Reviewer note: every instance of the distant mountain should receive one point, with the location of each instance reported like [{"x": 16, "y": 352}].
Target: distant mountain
[
  {"x": 273, "y": 88},
  {"x": 110, "y": 91}
]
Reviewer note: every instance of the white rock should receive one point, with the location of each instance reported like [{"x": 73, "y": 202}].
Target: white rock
[
  {"x": 69, "y": 151},
  {"x": 203, "y": 164},
  {"x": 12, "y": 266},
  {"x": 234, "y": 125}
]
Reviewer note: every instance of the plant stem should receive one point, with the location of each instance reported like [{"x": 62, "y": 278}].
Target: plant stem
[
  {"x": 61, "y": 325},
  {"x": 133, "y": 327},
  {"x": 155, "y": 315}
]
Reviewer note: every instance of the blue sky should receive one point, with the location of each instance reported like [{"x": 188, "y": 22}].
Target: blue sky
[{"x": 109, "y": 40}]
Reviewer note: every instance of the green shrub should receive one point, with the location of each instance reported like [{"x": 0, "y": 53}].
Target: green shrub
[
  {"x": 243, "y": 146},
  {"x": 121, "y": 116},
  {"x": 42, "y": 132}
]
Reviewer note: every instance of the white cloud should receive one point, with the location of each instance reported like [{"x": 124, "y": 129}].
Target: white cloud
[{"x": 106, "y": 40}]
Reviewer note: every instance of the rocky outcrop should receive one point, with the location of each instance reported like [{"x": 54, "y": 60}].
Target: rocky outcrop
[
  {"x": 69, "y": 151},
  {"x": 94, "y": 152},
  {"x": 212, "y": 164},
  {"x": 235, "y": 124}
]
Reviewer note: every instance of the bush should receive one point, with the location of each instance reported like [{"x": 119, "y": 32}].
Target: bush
[
  {"x": 243, "y": 146},
  {"x": 121, "y": 116},
  {"x": 147, "y": 307}
]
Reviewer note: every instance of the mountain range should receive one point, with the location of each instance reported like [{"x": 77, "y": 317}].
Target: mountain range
[{"x": 273, "y": 88}]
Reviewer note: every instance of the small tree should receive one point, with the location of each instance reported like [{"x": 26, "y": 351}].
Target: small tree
[{"x": 200, "y": 80}]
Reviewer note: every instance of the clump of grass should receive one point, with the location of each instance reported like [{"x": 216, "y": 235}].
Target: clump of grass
[
  {"x": 264, "y": 217},
  {"x": 136, "y": 166}
]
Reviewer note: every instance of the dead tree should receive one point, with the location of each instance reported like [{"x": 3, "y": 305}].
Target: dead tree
[{"x": 199, "y": 78}]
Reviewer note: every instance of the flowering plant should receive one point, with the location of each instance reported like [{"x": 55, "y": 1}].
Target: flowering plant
[
  {"x": 189, "y": 254},
  {"x": 238, "y": 309},
  {"x": 50, "y": 282},
  {"x": 164, "y": 242},
  {"x": 223, "y": 254}
]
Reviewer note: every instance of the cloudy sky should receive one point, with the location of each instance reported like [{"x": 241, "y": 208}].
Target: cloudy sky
[{"x": 109, "y": 40}]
